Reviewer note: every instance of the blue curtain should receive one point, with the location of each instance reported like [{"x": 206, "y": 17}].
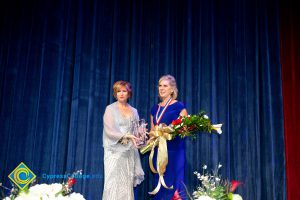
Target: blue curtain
[{"x": 59, "y": 60}]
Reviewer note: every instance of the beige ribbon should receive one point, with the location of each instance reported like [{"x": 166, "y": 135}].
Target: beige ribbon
[{"x": 159, "y": 136}]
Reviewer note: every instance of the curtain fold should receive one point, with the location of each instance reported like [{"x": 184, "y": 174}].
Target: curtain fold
[{"x": 290, "y": 64}]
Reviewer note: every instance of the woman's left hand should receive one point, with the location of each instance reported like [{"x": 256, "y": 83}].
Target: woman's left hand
[{"x": 133, "y": 138}]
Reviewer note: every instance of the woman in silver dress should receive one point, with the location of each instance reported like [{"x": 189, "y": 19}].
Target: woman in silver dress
[{"x": 122, "y": 165}]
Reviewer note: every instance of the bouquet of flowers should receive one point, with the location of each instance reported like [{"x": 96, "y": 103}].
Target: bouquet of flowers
[
  {"x": 61, "y": 191},
  {"x": 184, "y": 126},
  {"x": 190, "y": 125},
  {"x": 213, "y": 187}
]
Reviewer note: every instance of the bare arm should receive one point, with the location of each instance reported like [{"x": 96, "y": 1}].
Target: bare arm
[
  {"x": 184, "y": 112},
  {"x": 152, "y": 125}
]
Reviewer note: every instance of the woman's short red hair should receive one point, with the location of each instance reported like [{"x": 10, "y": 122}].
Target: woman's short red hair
[{"x": 117, "y": 85}]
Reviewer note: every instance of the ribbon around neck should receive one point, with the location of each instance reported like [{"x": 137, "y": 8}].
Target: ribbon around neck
[
  {"x": 158, "y": 115},
  {"x": 160, "y": 136}
]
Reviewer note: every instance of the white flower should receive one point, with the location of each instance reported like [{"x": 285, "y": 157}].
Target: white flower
[
  {"x": 217, "y": 127},
  {"x": 236, "y": 197},
  {"x": 46, "y": 192},
  {"x": 76, "y": 196},
  {"x": 177, "y": 126},
  {"x": 204, "y": 197},
  {"x": 205, "y": 116},
  {"x": 205, "y": 178},
  {"x": 210, "y": 182}
]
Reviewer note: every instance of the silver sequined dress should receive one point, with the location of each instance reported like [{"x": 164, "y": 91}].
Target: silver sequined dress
[{"x": 122, "y": 165}]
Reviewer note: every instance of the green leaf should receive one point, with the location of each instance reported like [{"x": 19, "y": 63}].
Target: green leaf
[
  {"x": 26, "y": 189},
  {"x": 230, "y": 196}
]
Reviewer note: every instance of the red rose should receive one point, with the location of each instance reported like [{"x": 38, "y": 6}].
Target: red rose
[
  {"x": 181, "y": 130},
  {"x": 234, "y": 185},
  {"x": 71, "y": 182},
  {"x": 192, "y": 127},
  {"x": 176, "y": 121},
  {"x": 176, "y": 196}
]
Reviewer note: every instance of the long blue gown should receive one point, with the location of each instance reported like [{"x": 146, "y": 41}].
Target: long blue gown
[{"x": 174, "y": 174}]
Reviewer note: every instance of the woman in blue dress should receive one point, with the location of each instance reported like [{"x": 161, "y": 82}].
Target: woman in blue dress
[{"x": 165, "y": 112}]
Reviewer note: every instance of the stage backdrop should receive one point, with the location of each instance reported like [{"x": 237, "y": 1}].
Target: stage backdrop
[
  {"x": 59, "y": 60},
  {"x": 290, "y": 62}
]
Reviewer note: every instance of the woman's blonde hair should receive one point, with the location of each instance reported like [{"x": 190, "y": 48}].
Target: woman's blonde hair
[
  {"x": 117, "y": 85},
  {"x": 172, "y": 83}
]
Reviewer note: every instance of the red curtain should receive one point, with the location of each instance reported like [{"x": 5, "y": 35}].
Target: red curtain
[{"x": 290, "y": 61}]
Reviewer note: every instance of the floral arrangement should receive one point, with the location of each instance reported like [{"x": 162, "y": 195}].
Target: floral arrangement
[
  {"x": 61, "y": 191},
  {"x": 213, "y": 187},
  {"x": 188, "y": 126},
  {"x": 184, "y": 126},
  {"x": 46, "y": 192}
]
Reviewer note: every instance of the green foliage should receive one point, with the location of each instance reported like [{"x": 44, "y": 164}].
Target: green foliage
[{"x": 191, "y": 125}]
